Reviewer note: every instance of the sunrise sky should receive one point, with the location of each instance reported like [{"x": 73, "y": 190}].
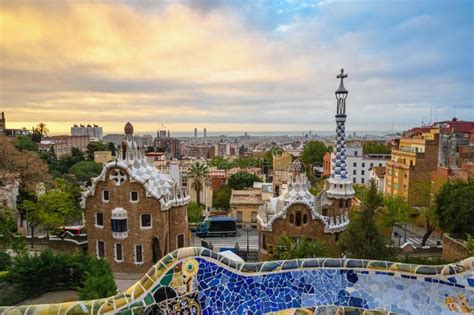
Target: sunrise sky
[{"x": 234, "y": 65}]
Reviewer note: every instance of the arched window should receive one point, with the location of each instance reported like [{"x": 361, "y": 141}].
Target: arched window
[
  {"x": 264, "y": 241},
  {"x": 305, "y": 219},
  {"x": 298, "y": 218}
]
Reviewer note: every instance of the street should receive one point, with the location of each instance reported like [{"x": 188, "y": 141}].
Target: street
[
  {"x": 229, "y": 242},
  {"x": 398, "y": 237}
]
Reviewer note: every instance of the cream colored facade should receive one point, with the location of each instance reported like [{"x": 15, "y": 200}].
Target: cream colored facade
[
  {"x": 102, "y": 156},
  {"x": 205, "y": 194},
  {"x": 244, "y": 205}
]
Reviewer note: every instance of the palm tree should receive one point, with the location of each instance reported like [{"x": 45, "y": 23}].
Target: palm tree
[
  {"x": 291, "y": 248},
  {"x": 199, "y": 173},
  {"x": 42, "y": 129}
]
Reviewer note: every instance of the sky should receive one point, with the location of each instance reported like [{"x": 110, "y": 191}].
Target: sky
[{"x": 235, "y": 66}]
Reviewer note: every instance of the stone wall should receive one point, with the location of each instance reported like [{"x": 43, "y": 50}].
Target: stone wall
[{"x": 453, "y": 249}]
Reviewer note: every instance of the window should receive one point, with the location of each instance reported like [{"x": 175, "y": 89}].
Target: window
[
  {"x": 254, "y": 217},
  {"x": 134, "y": 196},
  {"x": 380, "y": 164},
  {"x": 298, "y": 218},
  {"x": 145, "y": 220},
  {"x": 239, "y": 216},
  {"x": 264, "y": 241},
  {"x": 362, "y": 172},
  {"x": 355, "y": 164},
  {"x": 341, "y": 203},
  {"x": 354, "y": 180},
  {"x": 371, "y": 165},
  {"x": 354, "y": 172},
  {"x": 305, "y": 219},
  {"x": 100, "y": 249},
  {"x": 119, "y": 225},
  {"x": 362, "y": 180},
  {"x": 292, "y": 219},
  {"x": 180, "y": 240},
  {"x": 118, "y": 252},
  {"x": 363, "y": 164},
  {"x": 105, "y": 196},
  {"x": 139, "y": 254},
  {"x": 99, "y": 219},
  {"x": 356, "y": 153}
]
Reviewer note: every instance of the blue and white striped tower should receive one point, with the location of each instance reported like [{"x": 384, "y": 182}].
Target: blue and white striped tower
[{"x": 339, "y": 184}]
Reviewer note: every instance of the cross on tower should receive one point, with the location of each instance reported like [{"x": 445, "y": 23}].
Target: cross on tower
[{"x": 342, "y": 76}]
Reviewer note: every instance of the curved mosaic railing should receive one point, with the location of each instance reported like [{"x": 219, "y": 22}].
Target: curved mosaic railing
[{"x": 196, "y": 280}]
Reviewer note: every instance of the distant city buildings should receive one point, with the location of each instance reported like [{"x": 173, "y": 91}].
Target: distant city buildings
[
  {"x": 11, "y": 132},
  {"x": 195, "y": 132},
  {"x": 93, "y": 131},
  {"x": 170, "y": 146},
  {"x": 205, "y": 133},
  {"x": 63, "y": 145}
]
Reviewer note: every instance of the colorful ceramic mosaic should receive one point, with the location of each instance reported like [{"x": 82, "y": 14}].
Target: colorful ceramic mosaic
[{"x": 199, "y": 281}]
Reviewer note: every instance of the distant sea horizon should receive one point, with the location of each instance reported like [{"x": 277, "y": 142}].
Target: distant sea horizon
[{"x": 270, "y": 133}]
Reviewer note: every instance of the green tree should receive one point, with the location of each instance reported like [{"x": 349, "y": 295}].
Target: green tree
[
  {"x": 222, "y": 198},
  {"x": 375, "y": 147},
  {"x": 455, "y": 207},
  {"x": 362, "y": 238},
  {"x": 195, "y": 212},
  {"x": 292, "y": 248},
  {"x": 8, "y": 236},
  {"x": 396, "y": 210},
  {"x": 41, "y": 129},
  {"x": 217, "y": 161},
  {"x": 85, "y": 170},
  {"x": 313, "y": 152},
  {"x": 242, "y": 180},
  {"x": 94, "y": 146},
  {"x": 199, "y": 173},
  {"x": 24, "y": 143}
]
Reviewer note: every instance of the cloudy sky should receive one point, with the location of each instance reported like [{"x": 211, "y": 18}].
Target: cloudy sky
[{"x": 235, "y": 65}]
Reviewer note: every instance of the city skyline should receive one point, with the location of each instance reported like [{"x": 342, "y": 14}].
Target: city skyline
[{"x": 214, "y": 65}]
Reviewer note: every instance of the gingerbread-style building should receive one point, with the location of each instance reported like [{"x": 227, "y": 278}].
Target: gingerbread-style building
[
  {"x": 134, "y": 214},
  {"x": 298, "y": 213}
]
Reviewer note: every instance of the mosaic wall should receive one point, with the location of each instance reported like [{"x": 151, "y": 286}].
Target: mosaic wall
[{"x": 199, "y": 281}]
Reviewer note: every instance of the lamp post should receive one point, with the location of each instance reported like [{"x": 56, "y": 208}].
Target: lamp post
[{"x": 247, "y": 229}]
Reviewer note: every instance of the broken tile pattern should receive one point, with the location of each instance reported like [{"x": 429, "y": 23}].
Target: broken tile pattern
[{"x": 199, "y": 281}]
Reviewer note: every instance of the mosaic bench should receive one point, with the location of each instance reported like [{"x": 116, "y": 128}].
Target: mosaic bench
[{"x": 196, "y": 280}]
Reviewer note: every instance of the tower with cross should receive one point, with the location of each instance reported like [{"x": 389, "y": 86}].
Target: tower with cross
[{"x": 339, "y": 185}]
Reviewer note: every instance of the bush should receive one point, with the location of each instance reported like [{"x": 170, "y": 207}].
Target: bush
[
  {"x": 31, "y": 276},
  {"x": 99, "y": 280},
  {"x": 5, "y": 261}
]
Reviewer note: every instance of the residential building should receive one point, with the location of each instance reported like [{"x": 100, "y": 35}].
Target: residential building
[
  {"x": 411, "y": 166},
  {"x": 102, "y": 156},
  {"x": 282, "y": 161},
  {"x": 93, "y": 131},
  {"x": 296, "y": 212},
  {"x": 377, "y": 174},
  {"x": 198, "y": 151},
  {"x": 63, "y": 145},
  {"x": 134, "y": 214},
  {"x": 359, "y": 164},
  {"x": 244, "y": 205}
]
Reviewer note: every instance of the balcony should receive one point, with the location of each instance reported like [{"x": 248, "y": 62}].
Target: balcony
[{"x": 120, "y": 235}]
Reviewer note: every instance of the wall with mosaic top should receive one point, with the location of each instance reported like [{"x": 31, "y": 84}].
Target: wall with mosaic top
[{"x": 199, "y": 281}]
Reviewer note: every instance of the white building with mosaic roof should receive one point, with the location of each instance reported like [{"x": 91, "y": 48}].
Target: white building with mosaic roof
[
  {"x": 297, "y": 212},
  {"x": 134, "y": 213}
]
